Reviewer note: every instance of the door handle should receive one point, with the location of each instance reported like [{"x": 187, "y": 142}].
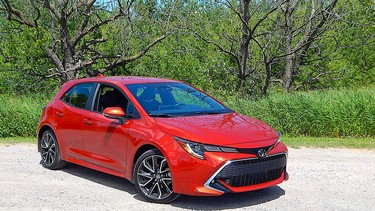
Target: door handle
[
  {"x": 88, "y": 122},
  {"x": 59, "y": 114}
]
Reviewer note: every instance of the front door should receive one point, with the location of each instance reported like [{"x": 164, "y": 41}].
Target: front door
[{"x": 105, "y": 140}]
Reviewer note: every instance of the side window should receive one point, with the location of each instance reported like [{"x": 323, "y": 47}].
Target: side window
[
  {"x": 109, "y": 96},
  {"x": 66, "y": 97},
  {"x": 79, "y": 95}
]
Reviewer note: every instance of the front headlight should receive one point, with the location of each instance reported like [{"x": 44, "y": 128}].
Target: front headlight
[
  {"x": 197, "y": 150},
  {"x": 194, "y": 149},
  {"x": 278, "y": 139},
  {"x": 276, "y": 143}
]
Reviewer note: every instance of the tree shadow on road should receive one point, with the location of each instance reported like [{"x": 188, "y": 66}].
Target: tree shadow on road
[
  {"x": 101, "y": 178},
  {"x": 226, "y": 201},
  {"x": 229, "y": 201}
]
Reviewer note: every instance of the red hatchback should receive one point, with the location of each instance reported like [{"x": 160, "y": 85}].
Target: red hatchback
[{"x": 164, "y": 135}]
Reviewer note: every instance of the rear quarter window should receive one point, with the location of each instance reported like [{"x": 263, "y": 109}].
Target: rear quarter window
[{"x": 79, "y": 95}]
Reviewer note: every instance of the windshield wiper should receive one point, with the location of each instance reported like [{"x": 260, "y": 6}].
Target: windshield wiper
[
  {"x": 161, "y": 115},
  {"x": 208, "y": 112}
]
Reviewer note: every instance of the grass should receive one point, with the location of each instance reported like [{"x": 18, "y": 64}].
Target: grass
[
  {"x": 330, "y": 113},
  {"x": 294, "y": 142},
  {"x": 356, "y": 143},
  {"x": 19, "y": 115},
  {"x": 16, "y": 140}
]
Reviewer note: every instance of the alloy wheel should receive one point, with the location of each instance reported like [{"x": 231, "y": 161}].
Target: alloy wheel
[
  {"x": 48, "y": 145},
  {"x": 154, "y": 177}
]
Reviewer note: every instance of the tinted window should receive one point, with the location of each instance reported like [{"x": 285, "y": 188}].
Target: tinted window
[
  {"x": 163, "y": 99},
  {"x": 79, "y": 95},
  {"x": 109, "y": 96}
]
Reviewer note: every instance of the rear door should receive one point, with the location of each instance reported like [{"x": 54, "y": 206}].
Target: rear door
[{"x": 70, "y": 113}]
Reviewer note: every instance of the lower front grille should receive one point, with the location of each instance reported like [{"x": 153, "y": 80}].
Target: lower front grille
[{"x": 252, "y": 171}]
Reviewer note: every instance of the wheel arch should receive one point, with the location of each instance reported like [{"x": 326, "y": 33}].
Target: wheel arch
[
  {"x": 142, "y": 149},
  {"x": 43, "y": 129}
]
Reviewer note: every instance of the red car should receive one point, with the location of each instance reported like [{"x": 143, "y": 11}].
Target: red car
[{"x": 165, "y": 136}]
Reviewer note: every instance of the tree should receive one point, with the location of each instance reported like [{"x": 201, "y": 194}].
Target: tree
[
  {"x": 74, "y": 33},
  {"x": 249, "y": 46},
  {"x": 297, "y": 27},
  {"x": 250, "y": 16},
  {"x": 316, "y": 23},
  {"x": 265, "y": 27}
]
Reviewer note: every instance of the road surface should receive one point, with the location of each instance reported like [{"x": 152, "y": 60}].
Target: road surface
[{"x": 320, "y": 179}]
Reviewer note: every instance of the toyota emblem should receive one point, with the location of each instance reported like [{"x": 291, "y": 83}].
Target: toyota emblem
[{"x": 262, "y": 153}]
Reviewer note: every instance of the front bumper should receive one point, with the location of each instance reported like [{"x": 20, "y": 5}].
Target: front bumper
[
  {"x": 247, "y": 174},
  {"x": 223, "y": 172}
]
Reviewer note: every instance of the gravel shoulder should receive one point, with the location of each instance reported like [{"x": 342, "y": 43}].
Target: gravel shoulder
[{"x": 328, "y": 179}]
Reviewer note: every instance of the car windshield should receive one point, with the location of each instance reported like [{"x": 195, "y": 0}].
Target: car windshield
[{"x": 174, "y": 99}]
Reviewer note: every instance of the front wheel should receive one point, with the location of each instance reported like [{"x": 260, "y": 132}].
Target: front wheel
[
  {"x": 50, "y": 152},
  {"x": 153, "y": 178}
]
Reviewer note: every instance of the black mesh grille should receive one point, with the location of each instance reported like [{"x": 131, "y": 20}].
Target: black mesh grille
[{"x": 253, "y": 171}]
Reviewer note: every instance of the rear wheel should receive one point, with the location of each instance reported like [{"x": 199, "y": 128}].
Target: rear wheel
[
  {"x": 50, "y": 152},
  {"x": 153, "y": 178}
]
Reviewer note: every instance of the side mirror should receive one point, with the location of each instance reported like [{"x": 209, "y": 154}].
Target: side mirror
[{"x": 115, "y": 113}]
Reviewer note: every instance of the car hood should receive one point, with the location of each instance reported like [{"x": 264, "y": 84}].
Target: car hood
[{"x": 231, "y": 130}]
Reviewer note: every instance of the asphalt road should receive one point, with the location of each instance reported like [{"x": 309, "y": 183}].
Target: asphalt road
[{"x": 320, "y": 179}]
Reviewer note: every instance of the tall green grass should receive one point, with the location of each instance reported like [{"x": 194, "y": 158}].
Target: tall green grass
[
  {"x": 332, "y": 113},
  {"x": 19, "y": 115}
]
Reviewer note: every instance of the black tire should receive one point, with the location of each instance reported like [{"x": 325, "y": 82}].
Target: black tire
[
  {"x": 50, "y": 151},
  {"x": 153, "y": 179}
]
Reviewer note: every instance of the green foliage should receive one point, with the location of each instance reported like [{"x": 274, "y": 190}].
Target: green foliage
[
  {"x": 344, "y": 113},
  {"x": 342, "y": 58},
  {"x": 19, "y": 115},
  {"x": 23, "y": 61},
  {"x": 344, "y": 54},
  {"x": 303, "y": 141},
  {"x": 348, "y": 47},
  {"x": 295, "y": 142},
  {"x": 15, "y": 140}
]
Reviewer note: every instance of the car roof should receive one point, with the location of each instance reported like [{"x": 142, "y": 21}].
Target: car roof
[{"x": 124, "y": 79}]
